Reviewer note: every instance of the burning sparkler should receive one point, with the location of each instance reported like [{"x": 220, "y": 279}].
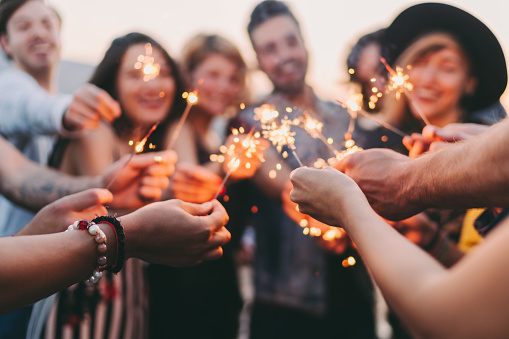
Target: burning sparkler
[
  {"x": 280, "y": 134},
  {"x": 140, "y": 146},
  {"x": 248, "y": 147},
  {"x": 192, "y": 99},
  {"x": 146, "y": 64},
  {"x": 400, "y": 81}
]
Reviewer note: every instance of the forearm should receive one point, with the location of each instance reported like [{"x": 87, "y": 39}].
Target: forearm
[
  {"x": 464, "y": 175},
  {"x": 34, "y": 267},
  {"x": 405, "y": 273},
  {"x": 34, "y": 186}
]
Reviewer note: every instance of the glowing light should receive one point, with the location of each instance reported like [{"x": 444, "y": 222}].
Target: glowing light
[
  {"x": 242, "y": 106},
  {"x": 351, "y": 71},
  {"x": 158, "y": 158},
  {"x": 351, "y": 261},
  {"x": 384, "y": 138},
  {"x": 248, "y": 165},
  {"x": 185, "y": 95},
  {"x": 192, "y": 98},
  {"x": 241, "y": 130},
  {"x": 349, "y": 143},
  {"x": 147, "y": 64},
  {"x": 254, "y": 209},
  {"x": 226, "y": 198},
  {"x": 278, "y": 167},
  {"x": 372, "y": 79},
  {"x": 141, "y": 145},
  {"x": 213, "y": 157},
  {"x": 272, "y": 174},
  {"x": 284, "y": 154},
  {"x": 374, "y": 90},
  {"x": 303, "y": 223},
  {"x": 131, "y": 142},
  {"x": 289, "y": 109},
  {"x": 330, "y": 141},
  {"x": 265, "y": 114},
  {"x": 305, "y": 231},
  {"x": 162, "y": 94}
]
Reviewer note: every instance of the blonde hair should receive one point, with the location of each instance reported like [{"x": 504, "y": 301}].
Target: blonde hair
[
  {"x": 396, "y": 107},
  {"x": 201, "y": 46}
]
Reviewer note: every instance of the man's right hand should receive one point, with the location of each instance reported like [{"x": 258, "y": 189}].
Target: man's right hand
[
  {"x": 90, "y": 104},
  {"x": 384, "y": 176}
]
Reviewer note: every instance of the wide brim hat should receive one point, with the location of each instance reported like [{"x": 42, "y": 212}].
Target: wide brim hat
[{"x": 478, "y": 41}]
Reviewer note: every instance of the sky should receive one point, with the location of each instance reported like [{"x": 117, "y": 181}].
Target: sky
[{"x": 330, "y": 28}]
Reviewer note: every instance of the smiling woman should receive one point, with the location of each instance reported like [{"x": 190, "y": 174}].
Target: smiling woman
[{"x": 138, "y": 73}]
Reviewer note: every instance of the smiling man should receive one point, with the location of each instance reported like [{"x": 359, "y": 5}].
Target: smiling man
[{"x": 302, "y": 291}]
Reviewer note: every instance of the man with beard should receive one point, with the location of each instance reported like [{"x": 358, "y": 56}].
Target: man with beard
[{"x": 302, "y": 290}]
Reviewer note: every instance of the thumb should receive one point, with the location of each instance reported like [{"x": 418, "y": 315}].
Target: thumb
[
  {"x": 83, "y": 200},
  {"x": 198, "y": 209}
]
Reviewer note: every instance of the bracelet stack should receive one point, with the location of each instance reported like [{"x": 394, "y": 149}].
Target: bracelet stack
[
  {"x": 119, "y": 234},
  {"x": 100, "y": 239}
]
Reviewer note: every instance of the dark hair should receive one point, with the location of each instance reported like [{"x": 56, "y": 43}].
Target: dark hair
[
  {"x": 9, "y": 7},
  {"x": 266, "y": 10},
  {"x": 352, "y": 61},
  {"x": 105, "y": 76}
]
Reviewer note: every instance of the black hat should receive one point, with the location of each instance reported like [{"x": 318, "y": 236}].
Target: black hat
[{"x": 478, "y": 41}]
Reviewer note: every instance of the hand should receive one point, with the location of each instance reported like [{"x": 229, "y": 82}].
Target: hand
[
  {"x": 382, "y": 175},
  {"x": 434, "y": 138},
  {"x": 327, "y": 195},
  {"x": 416, "y": 144},
  {"x": 249, "y": 157},
  {"x": 176, "y": 233},
  {"x": 193, "y": 183},
  {"x": 90, "y": 104},
  {"x": 56, "y": 216},
  {"x": 142, "y": 180}
]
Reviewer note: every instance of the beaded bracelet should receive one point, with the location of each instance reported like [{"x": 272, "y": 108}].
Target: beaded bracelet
[
  {"x": 100, "y": 239},
  {"x": 119, "y": 234}
]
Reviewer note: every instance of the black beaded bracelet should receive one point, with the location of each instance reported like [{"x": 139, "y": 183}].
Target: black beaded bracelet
[{"x": 119, "y": 233}]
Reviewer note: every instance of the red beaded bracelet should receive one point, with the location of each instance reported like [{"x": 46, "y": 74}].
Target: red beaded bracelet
[{"x": 100, "y": 239}]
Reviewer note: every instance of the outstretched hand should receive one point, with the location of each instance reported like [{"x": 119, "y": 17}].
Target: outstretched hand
[
  {"x": 142, "y": 180},
  {"x": 176, "y": 233},
  {"x": 327, "y": 195},
  {"x": 381, "y": 174},
  {"x": 194, "y": 183},
  {"x": 90, "y": 104},
  {"x": 56, "y": 216}
]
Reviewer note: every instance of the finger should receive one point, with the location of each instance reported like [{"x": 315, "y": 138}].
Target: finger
[
  {"x": 408, "y": 142},
  {"x": 198, "y": 209},
  {"x": 149, "y": 194},
  {"x": 419, "y": 148},
  {"x": 213, "y": 254},
  {"x": 83, "y": 200},
  {"x": 160, "y": 182},
  {"x": 218, "y": 217}
]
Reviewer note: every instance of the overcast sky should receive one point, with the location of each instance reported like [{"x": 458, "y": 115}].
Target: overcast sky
[{"x": 330, "y": 27}]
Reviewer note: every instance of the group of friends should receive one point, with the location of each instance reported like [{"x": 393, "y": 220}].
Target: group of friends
[{"x": 164, "y": 252}]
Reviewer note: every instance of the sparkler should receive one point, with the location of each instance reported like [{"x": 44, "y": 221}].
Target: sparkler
[
  {"x": 314, "y": 128},
  {"x": 400, "y": 80},
  {"x": 355, "y": 108},
  {"x": 280, "y": 134},
  {"x": 137, "y": 149},
  {"x": 146, "y": 63},
  {"x": 192, "y": 99},
  {"x": 248, "y": 147}
]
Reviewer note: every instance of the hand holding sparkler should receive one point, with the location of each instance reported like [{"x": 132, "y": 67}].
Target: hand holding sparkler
[
  {"x": 140, "y": 146},
  {"x": 141, "y": 180},
  {"x": 194, "y": 183}
]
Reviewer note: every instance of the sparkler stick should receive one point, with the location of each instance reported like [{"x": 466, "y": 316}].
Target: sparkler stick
[
  {"x": 369, "y": 116},
  {"x": 192, "y": 98},
  {"x": 137, "y": 149},
  {"x": 398, "y": 79}
]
